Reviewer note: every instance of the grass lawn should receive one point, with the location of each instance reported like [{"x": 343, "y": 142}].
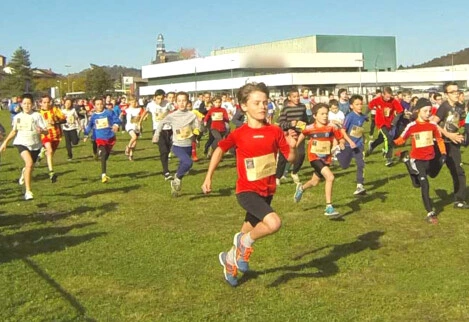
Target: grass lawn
[{"x": 127, "y": 251}]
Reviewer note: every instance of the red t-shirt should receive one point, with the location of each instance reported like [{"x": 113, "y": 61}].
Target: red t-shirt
[
  {"x": 256, "y": 156},
  {"x": 219, "y": 117},
  {"x": 422, "y": 134},
  {"x": 320, "y": 141},
  {"x": 385, "y": 111}
]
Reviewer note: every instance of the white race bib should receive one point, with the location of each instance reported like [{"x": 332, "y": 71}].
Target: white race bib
[
  {"x": 24, "y": 124},
  {"x": 260, "y": 167},
  {"x": 356, "y": 131},
  {"x": 217, "y": 116},
  {"x": 321, "y": 147},
  {"x": 423, "y": 139},
  {"x": 101, "y": 123},
  {"x": 184, "y": 133}
]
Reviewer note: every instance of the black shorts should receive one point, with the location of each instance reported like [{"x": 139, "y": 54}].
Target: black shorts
[
  {"x": 34, "y": 153},
  {"x": 318, "y": 165},
  {"x": 257, "y": 207}
]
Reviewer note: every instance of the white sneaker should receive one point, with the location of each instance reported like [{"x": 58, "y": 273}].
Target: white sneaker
[
  {"x": 21, "y": 179},
  {"x": 28, "y": 195},
  {"x": 277, "y": 182},
  {"x": 360, "y": 190},
  {"x": 295, "y": 177}
]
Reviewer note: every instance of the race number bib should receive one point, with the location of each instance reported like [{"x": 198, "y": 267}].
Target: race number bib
[
  {"x": 71, "y": 119},
  {"x": 260, "y": 167},
  {"x": 134, "y": 119},
  {"x": 184, "y": 133},
  {"x": 300, "y": 125},
  {"x": 217, "y": 116},
  {"x": 356, "y": 131},
  {"x": 160, "y": 116},
  {"x": 387, "y": 112},
  {"x": 423, "y": 139},
  {"x": 321, "y": 147},
  {"x": 24, "y": 124},
  {"x": 101, "y": 123}
]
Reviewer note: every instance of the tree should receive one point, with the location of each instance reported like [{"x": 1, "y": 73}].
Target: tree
[
  {"x": 20, "y": 77},
  {"x": 98, "y": 82}
]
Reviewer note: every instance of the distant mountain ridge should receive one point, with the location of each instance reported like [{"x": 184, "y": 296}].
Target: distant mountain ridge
[
  {"x": 456, "y": 58},
  {"x": 115, "y": 72}
]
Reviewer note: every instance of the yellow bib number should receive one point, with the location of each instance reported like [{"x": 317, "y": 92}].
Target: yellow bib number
[
  {"x": 102, "y": 123},
  {"x": 260, "y": 167},
  {"x": 356, "y": 131},
  {"x": 423, "y": 139},
  {"x": 321, "y": 147},
  {"x": 184, "y": 133},
  {"x": 217, "y": 116}
]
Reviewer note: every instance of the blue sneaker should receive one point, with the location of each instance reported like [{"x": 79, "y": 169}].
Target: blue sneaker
[
  {"x": 242, "y": 253},
  {"x": 229, "y": 270},
  {"x": 331, "y": 212},
  {"x": 298, "y": 192}
]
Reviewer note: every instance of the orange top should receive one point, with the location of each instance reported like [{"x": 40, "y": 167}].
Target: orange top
[{"x": 53, "y": 118}]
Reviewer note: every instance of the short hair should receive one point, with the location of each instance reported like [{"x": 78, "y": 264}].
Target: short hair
[
  {"x": 355, "y": 97},
  {"x": 244, "y": 91},
  {"x": 97, "y": 99},
  {"x": 448, "y": 84},
  {"x": 387, "y": 90},
  {"x": 159, "y": 92},
  {"x": 292, "y": 90},
  {"x": 341, "y": 91},
  {"x": 216, "y": 97},
  {"x": 171, "y": 93},
  {"x": 28, "y": 96},
  {"x": 406, "y": 93},
  {"x": 333, "y": 102},
  {"x": 318, "y": 106},
  {"x": 436, "y": 95},
  {"x": 46, "y": 96},
  {"x": 181, "y": 93},
  {"x": 207, "y": 93},
  {"x": 378, "y": 91},
  {"x": 132, "y": 98}
]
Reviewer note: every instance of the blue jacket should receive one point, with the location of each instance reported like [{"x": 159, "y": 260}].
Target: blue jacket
[{"x": 102, "y": 124}]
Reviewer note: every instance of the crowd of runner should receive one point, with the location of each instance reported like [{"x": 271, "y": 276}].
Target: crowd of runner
[{"x": 267, "y": 149}]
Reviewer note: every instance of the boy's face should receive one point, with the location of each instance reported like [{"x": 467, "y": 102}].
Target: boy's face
[
  {"x": 294, "y": 98},
  {"x": 425, "y": 113},
  {"x": 321, "y": 115},
  {"x": 181, "y": 102},
  {"x": 343, "y": 96},
  {"x": 357, "y": 106},
  {"x": 158, "y": 99},
  {"x": 27, "y": 105},
  {"x": 387, "y": 96},
  {"x": 98, "y": 105},
  {"x": 133, "y": 103},
  {"x": 334, "y": 108},
  {"x": 217, "y": 103},
  {"x": 45, "y": 103},
  {"x": 305, "y": 93},
  {"x": 170, "y": 98},
  {"x": 256, "y": 106},
  {"x": 406, "y": 98}
]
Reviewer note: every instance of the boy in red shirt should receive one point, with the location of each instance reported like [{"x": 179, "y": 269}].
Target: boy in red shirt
[
  {"x": 321, "y": 135},
  {"x": 258, "y": 144},
  {"x": 388, "y": 111},
  {"x": 219, "y": 118},
  {"x": 422, "y": 155}
]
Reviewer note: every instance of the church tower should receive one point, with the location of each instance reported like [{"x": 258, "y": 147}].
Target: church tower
[{"x": 160, "y": 50}]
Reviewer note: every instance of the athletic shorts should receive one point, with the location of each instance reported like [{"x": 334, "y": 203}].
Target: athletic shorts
[
  {"x": 53, "y": 144},
  {"x": 137, "y": 132},
  {"x": 318, "y": 165},
  {"x": 34, "y": 153},
  {"x": 106, "y": 142},
  {"x": 256, "y": 206}
]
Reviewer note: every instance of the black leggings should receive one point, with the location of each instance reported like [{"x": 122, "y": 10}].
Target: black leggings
[{"x": 71, "y": 137}]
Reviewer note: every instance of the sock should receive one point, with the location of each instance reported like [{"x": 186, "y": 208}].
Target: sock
[
  {"x": 328, "y": 204},
  {"x": 194, "y": 150},
  {"x": 246, "y": 240},
  {"x": 103, "y": 175},
  {"x": 231, "y": 255}
]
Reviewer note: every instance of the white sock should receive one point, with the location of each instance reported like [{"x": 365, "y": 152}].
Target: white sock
[
  {"x": 246, "y": 240},
  {"x": 231, "y": 255}
]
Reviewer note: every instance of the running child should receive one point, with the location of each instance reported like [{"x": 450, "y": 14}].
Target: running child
[
  {"x": 185, "y": 125},
  {"x": 134, "y": 122},
  {"x": 352, "y": 132},
  {"x": 257, "y": 145},
  {"x": 70, "y": 127},
  {"x": 27, "y": 129},
  {"x": 54, "y": 118},
  {"x": 422, "y": 160},
  {"x": 321, "y": 136},
  {"x": 219, "y": 118},
  {"x": 105, "y": 124}
]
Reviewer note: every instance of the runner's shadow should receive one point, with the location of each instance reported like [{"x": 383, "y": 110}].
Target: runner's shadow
[
  {"x": 444, "y": 199},
  {"x": 324, "y": 266},
  {"x": 221, "y": 193},
  {"x": 355, "y": 204},
  {"x": 383, "y": 181}
]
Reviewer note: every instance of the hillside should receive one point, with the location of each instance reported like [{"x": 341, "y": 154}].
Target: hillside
[
  {"x": 457, "y": 58},
  {"x": 116, "y": 72}
]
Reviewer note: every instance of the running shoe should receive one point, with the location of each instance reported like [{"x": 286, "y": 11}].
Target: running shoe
[
  {"x": 105, "y": 179},
  {"x": 360, "y": 190},
  {"x": 52, "y": 177},
  {"x": 28, "y": 195},
  {"x": 295, "y": 177},
  {"x": 460, "y": 205},
  {"x": 331, "y": 212},
  {"x": 21, "y": 179},
  {"x": 277, "y": 182},
  {"x": 298, "y": 192},
  {"x": 168, "y": 176},
  {"x": 432, "y": 218},
  {"x": 229, "y": 270},
  {"x": 389, "y": 162},
  {"x": 242, "y": 253},
  {"x": 175, "y": 187}
]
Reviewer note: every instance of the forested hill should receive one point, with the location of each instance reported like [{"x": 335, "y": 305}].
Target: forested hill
[
  {"x": 457, "y": 58},
  {"x": 116, "y": 72}
]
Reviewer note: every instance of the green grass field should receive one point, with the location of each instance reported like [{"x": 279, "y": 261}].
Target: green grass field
[{"x": 127, "y": 251}]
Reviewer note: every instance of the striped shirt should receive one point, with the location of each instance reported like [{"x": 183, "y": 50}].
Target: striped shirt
[{"x": 292, "y": 113}]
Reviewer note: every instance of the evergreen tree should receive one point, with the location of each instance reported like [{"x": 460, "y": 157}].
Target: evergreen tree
[
  {"x": 21, "y": 78},
  {"x": 98, "y": 81}
]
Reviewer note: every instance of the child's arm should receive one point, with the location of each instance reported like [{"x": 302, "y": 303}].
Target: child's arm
[
  {"x": 300, "y": 139},
  {"x": 10, "y": 136},
  {"x": 214, "y": 161},
  {"x": 347, "y": 138}
]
